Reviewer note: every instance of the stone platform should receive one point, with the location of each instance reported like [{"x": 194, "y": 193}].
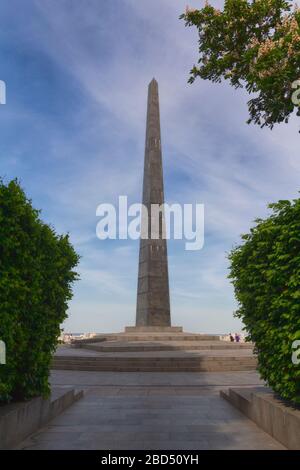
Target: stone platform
[{"x": 155, "y": 350}]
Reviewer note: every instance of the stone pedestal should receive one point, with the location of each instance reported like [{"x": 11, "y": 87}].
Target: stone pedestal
[{"x": 153, "y": 329}]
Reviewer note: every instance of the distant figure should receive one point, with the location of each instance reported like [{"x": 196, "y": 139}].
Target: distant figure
[
  {"x": 231, "y": 337},
  {"x": 237, "y": 337}
]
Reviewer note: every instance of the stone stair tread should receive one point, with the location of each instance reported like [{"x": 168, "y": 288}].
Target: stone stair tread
[
  {"x": 147, "y": 336},
  {"x": 163, "y": 354},
  {"x": 116, "y": 346}
]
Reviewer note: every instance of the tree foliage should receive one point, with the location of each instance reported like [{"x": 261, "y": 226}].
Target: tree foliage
[
  {"x": 255, "y": 44},
  {"x": 265, "y": 272},
  {"x": 36, "y": 275}
]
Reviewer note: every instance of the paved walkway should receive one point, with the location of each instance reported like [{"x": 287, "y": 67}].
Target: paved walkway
[{"x": 151, "y": 411}]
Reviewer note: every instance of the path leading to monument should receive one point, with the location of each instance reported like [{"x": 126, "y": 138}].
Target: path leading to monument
[{"x": 151, "y": 411}]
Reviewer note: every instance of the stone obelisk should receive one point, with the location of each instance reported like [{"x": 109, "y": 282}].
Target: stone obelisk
[{"x": 153, "y": 299}]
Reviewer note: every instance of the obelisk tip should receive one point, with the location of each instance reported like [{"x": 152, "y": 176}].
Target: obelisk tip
[{"x": 153, "y": 81}]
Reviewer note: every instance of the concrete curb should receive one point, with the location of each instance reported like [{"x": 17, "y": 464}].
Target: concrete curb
[
  {"x": 259, "y": 404},
  {"x": 19, "y": 420}
]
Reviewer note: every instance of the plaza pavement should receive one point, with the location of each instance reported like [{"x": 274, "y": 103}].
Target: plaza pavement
[{"x": 153, "y": 411}]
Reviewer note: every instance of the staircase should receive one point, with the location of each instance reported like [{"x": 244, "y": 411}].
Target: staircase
[
  {"x": 155, "y": 364},
  {"x": 155, "y": 351}
]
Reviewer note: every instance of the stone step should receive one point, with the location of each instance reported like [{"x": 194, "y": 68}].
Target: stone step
[
  {"x": 187, "y": 368},
  {"x": 147, "y": 337},
  {"x": 158, "y": 359},
  {"x": 154, "y": 364},
  {"x": 120, "y": 346}
]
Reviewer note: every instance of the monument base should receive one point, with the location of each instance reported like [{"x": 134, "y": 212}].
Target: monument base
[
  {"x": 155, "y": 349},
  {"x": 153, "y": 329}
]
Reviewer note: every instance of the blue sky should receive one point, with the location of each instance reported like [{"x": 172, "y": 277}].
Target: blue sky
[{"x": 73, "y": 132}]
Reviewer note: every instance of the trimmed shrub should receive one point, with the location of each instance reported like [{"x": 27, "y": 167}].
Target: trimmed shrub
[
  {"x": 36, "y": 275},
  {"x": 265, "y": 272}
]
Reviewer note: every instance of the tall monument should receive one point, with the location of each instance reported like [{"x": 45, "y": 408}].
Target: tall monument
[{"x": 153, "y": 299}]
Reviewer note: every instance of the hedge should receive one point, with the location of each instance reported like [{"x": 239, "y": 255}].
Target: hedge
[
  {"x": 265, "y": 272},
  {"x": 36, "y": 276}
]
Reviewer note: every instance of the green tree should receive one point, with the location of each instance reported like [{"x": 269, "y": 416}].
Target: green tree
[
  {"x": 256, "y": 45},
  {"x": 36, "y": 276},
  {"x": 265, "y": 272}
]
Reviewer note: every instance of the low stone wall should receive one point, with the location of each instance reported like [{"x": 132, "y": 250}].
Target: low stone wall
[
  {"x": 259, "y": 404},
  {"x": 19, "y": 420}
]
